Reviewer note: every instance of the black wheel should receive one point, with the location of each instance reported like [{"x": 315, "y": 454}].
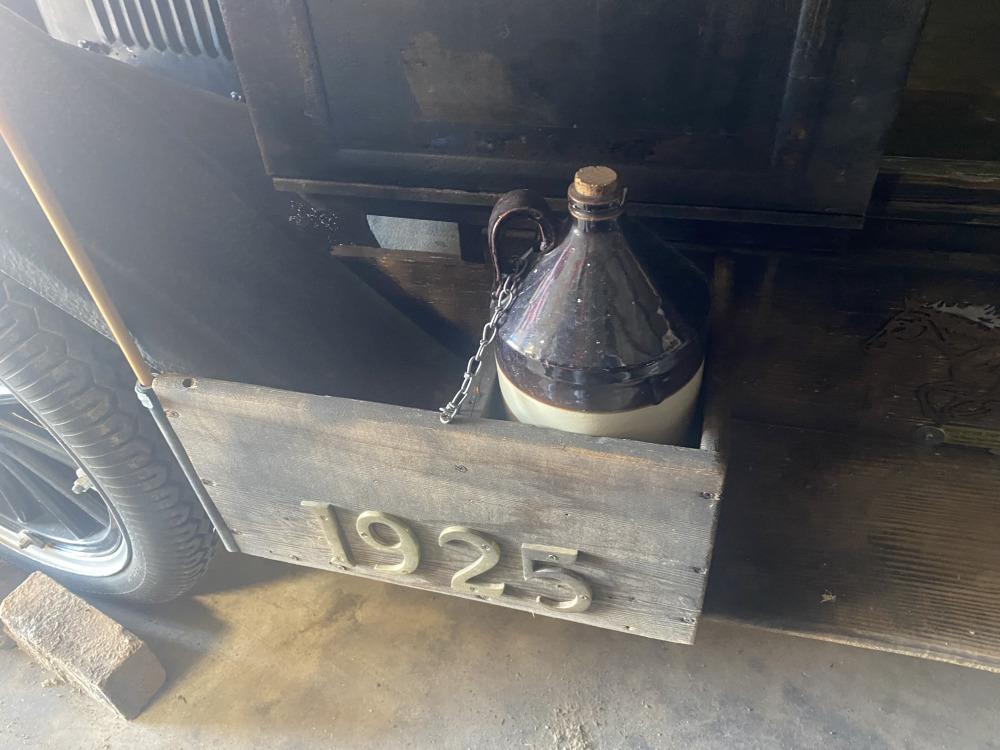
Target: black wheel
[{"x": 89, "y": 491}]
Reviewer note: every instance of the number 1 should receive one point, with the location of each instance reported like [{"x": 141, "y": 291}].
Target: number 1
[{"x": 327, "y": 516}]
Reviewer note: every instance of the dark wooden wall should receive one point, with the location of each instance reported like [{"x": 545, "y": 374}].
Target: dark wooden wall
[{"x": 757, "y": 105}]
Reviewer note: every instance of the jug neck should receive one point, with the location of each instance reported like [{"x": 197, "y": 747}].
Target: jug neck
[
  {"x": 594, "y": 226},
  {"x": 595, "y": 212},
  {"x": 595, "y": 200}
]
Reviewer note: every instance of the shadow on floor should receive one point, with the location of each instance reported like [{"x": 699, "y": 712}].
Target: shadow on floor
[
  {"x": 232, "y": 572},
  {"x": 273, "y": 656}
]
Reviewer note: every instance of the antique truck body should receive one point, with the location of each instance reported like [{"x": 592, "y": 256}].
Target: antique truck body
[{"x": 841, "y": 481}]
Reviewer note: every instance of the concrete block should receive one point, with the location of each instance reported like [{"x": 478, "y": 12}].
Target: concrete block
[{"x": 82, "y": 645}]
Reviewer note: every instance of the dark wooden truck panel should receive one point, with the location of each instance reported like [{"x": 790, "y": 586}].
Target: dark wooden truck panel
[{"x": 767, "y": 109}]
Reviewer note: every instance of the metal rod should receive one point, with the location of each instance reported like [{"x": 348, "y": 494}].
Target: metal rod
[
  {"x": 49, "y": 202},
  {"x": 61, "y": 225},
  {"x": 149, "y": 399}
]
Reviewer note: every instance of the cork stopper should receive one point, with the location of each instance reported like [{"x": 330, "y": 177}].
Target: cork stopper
[{"x": 596, "y": 183}]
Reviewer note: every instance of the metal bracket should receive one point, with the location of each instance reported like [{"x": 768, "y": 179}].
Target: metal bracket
[
  {"x": 147, "y": 397},
  {"x": 956, "y": 434}
]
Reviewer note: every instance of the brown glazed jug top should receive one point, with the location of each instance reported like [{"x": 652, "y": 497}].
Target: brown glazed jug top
[{"x": 590, "y": 330}]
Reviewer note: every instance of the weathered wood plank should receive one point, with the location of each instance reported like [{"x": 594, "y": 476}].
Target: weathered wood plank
[
  {"x": 904, "y": 536},
  {"x": 938, "y": 190},
  {"x": 642, "y": 516},
  {"x": 443, "y": 294},
  {"x": 853, "y": 508},
  {"x": 850, "y": 530},
  {"x": 862, "y": 345},
  {"x": 874, "y": 542}
]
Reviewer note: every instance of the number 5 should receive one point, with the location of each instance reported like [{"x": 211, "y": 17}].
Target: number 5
[{"x": 557, "y": 559}]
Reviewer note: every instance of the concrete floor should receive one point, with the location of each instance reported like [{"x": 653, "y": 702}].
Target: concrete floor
[{"x": 272, "y": 656}]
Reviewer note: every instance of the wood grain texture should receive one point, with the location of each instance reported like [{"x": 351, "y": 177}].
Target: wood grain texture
[
  {"x": 442, "y": 294},
  {"x": 946, "y": 191},
  {"x": 642, "y": 516},
  {"x": 835, "y": 525},
  {"x": 840, "y": 502},
  {"x": 867, "y": 541},
  {"x": 854, "y": 345},
  {"x": 716, "y": 394}
]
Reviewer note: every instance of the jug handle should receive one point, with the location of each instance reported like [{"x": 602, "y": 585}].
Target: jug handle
[{"x": 520, "y": 203}]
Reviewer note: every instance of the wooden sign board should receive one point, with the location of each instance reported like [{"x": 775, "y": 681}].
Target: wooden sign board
[{"x": 607, "y": 532}]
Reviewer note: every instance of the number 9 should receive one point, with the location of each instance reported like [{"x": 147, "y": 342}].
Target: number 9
[{"x": 407, "y": 545}]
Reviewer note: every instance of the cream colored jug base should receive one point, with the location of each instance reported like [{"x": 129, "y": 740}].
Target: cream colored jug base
[{"x": 665, "y": 422}]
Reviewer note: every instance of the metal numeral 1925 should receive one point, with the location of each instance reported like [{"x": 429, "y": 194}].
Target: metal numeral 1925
[{"x": 539, "y": 562}]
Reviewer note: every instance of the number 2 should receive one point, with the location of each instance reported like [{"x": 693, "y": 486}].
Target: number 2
[
  {"x": 558, "y": 558},
  {"x": 489, "y": 556}
]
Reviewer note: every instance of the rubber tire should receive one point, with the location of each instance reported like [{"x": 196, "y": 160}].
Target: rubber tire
[{"x": 79, "y": 386}]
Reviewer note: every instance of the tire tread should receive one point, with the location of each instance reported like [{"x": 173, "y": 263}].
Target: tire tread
[{"x": 78, "y": 384}]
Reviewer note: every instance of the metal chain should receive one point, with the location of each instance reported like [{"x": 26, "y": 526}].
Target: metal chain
[{"x": 503, "y": 297}]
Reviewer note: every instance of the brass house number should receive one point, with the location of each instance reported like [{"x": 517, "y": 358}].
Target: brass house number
[{"x": 539, "y": 562}]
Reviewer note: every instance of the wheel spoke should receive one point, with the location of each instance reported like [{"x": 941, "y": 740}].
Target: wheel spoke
[
  {"x": 56, "y": 478},
  {"x": 19, "y": 512},
  {"x": 90, "y": 504},
  {"x": 37, "y": 477},
  {"x": 19, "y": 431},
  {"x": 75, "y": 521},
  {"x": 18, "y": 497}
]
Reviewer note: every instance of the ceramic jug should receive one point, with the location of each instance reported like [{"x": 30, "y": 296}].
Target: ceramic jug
[{"x": 594, "y": 342}]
